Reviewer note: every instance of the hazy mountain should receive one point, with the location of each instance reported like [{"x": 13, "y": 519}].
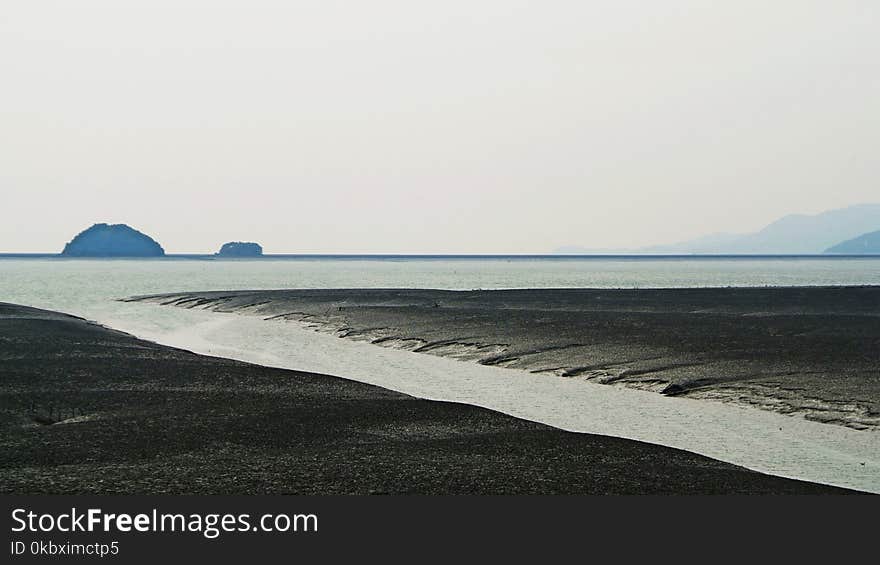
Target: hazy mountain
[
  {"x": 794, "y": 234},
  {"x": 867, "y": 244},
  {"x": 703, "y": 244},
  {"x": 579, "y": 250},
  {"x": 800, "y": 233}
]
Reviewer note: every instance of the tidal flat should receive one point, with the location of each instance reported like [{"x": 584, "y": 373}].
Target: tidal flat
[
  {"x": 811, "y": 352},
  {"x": 88, "y": 409}
]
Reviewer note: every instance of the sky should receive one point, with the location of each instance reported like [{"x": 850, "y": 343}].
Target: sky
[{"x": 478, "y": 126}]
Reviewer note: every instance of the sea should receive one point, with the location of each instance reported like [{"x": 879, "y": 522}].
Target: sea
[{"x": 765, "y": 441}]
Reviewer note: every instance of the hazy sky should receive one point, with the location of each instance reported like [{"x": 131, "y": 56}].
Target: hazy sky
[{"x": 432, "y": 126}]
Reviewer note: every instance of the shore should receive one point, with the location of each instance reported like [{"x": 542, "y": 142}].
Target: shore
[
  {"x": 806, "y": 351},
  {"x": 86, "y": 409}
]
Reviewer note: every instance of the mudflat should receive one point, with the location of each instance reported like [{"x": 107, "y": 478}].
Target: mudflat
[
  {"x": 812, "y": 352},
  {"x": 86, "y": 409}
]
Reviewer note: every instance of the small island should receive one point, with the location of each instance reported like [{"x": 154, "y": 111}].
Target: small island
[
  {"x": 112, "y": 240},
  {"x": 240, "y": 249}
]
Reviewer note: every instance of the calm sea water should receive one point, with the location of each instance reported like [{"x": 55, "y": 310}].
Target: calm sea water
[
  {"x": 754, "y": 438},
  {"x": 64, "y": 282}
]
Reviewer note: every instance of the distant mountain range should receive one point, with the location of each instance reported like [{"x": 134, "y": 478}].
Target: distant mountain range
[
  {"x": 868, "y": 243},
  {"x": 793, "y": 234}
]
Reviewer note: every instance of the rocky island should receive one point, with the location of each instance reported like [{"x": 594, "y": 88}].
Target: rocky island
[
  {"x": 112, "y": 240},
  {"x": 240, "y": 249}
]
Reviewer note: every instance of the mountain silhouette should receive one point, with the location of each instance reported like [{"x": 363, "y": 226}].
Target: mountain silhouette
[
  {"x": 793, "y": 234},
  {"x": 866, "y": 244}
]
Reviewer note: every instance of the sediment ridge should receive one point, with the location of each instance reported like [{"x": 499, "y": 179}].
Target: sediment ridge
[
  {"x": 86, "y": 409},
  {"x": 812, "y": 352}
]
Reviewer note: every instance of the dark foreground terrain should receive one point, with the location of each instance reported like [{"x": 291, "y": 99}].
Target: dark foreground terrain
[
  {"x": 809, "y": 351},
  {"x": 85, "y": 409}
]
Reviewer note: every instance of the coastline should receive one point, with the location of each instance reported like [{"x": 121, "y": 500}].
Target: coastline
[
  {"x": 88, "y": 409},
  {"x": 804, "y": 351}
]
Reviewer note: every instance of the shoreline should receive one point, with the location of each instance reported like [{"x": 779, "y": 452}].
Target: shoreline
[
  {"x": 804, "y": 351},
  {"x": 147, "y": 418},
  {"x": 761, "y": 440}
]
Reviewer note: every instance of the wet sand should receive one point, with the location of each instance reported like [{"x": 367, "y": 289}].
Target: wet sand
[
  {"x": 88, "y": 409},
  {"x": 812, "y": 352}
]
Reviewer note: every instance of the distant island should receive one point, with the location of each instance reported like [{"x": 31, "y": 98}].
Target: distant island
[
  {"x": 112, "y": 240},
  {"x": 867, "y": 244},
  {"x": 240, "y": 249}
]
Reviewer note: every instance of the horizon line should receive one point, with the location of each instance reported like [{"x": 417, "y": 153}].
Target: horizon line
[{"x": 457, "y": 256}]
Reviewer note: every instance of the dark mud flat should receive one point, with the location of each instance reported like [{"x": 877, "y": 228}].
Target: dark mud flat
[
  {"x": 85, "y": 409},
  {"x": 812, "y": 352}
]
